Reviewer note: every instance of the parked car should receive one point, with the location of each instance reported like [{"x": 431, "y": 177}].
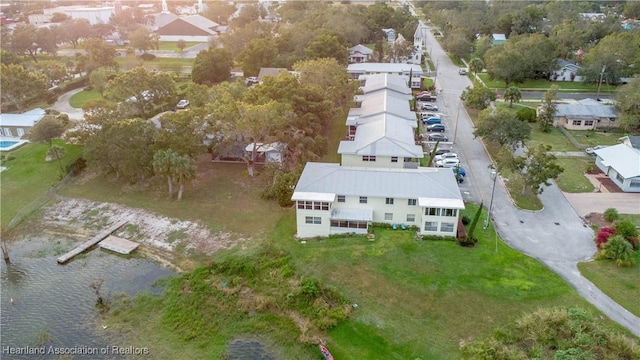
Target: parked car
[
  {"x": 429, "y": 107},
  {"x": 448, "y": 163},
  {"x": 462, "y": 71},
  {"x": 432, "y": 120},
  {"x": 426, "y": 97},
  {"x": 442, "y": 151},
  {"x": 182, "y": 104},
  {"x": 460, "y": 170},
  {"x": 435, "y": 128},
  {"x": 591, "y": 150},
  {"x": 437, "y": 137},
  {"x": 448, "y": 155}
]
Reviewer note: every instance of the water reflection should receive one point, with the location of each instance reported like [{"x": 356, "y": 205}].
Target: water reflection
[{"x": 55, "y": 303}]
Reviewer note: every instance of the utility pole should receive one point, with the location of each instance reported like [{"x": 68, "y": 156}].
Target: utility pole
[
  {"x": 455, "y": 132},
  {"x": 494, "y": 176},
  {"x": 604, "y": 67}
]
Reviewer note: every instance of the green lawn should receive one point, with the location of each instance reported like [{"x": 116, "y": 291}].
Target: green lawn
[
  {"x": 592, "y": 138},
  {"x": 172, "y": 45},
  {"x": 572, "y": 180},
  {"x": 544, "y": 84},
  {"x": 420, "y": 299},
  {"x": 555, "y": 138},
  {"x": 163, "y": 64},
  {"x": 619, "y": 283},
  {"x": 77, "y": 100},
  {"x": 29, "y": 175}
]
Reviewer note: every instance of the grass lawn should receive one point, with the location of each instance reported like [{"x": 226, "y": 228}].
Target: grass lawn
[
  {"x": 572, "y": 180},
  {"x": 164, "y": 64},
  {"x": 544, "y": 84},
  {"x": 29, "y": 175},
  {"x": 555, "y": 138},
  {"x": 77, "y": 100},
  {"x": 593, "y": 138},
  {"x": 172, "y": 45},
  {"x": 619, "y": 283},
  {"x": 219, "y": 187},
  {"x": 420, "y": 299}
]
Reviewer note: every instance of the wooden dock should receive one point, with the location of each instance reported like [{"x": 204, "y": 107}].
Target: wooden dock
[
  {"x": 87, "y": 244},
  {"x": 119, "y": 245}
]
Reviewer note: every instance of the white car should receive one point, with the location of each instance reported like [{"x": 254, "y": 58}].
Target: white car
[
  {"x": 444, "y": 156},
  {"x": 182, "y": 104},
  {"x": 448, "y": 163}
]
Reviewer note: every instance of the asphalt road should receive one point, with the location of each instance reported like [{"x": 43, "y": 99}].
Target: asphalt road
[{"x": 556, "y": 235}]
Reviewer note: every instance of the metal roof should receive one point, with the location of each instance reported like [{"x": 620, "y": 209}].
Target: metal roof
[
  {"x": 385, "y": 68},
  {"x": 586, "y": 109},
  {"x": 26, "y": 119},
  {"x": 389, "y": 136},
  {"x": 356, "y": 121},
  {"x": 428, "y": 183},
  {"x": 382, "y": 102},
  {"x": 352, "y": 214},
  {"x": 376, "y": 82},
  {"x": 624, "y": 159},
  {"x": 361, "y": 49}
]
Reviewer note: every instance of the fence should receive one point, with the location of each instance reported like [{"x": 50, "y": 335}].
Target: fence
[
  {"x": 571, "y": 138},
  {"x": 39, "y": 202}
]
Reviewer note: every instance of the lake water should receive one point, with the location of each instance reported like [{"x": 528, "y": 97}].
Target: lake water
[{"x": 56, "y": 303}]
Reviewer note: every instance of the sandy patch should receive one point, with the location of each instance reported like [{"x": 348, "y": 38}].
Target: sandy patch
[{"x": 157, "y": 231}]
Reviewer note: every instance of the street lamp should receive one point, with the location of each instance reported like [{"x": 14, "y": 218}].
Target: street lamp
[{"x": 494, "y": 176}]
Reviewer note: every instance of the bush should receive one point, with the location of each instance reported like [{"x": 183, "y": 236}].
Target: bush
[
  {"x": 526, "y": 115},
  {"x": 619, "y": 249},
  {"x": 146, "y": 57},
  {"x": 75, "y": 84},
  {"x": 611, "y": 215},
  {"x": 626, "y": 229},
  {"x": 603, "y": 236},
  {"x": 465, "y": 220}
]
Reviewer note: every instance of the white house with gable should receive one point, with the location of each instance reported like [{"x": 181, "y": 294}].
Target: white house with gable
[
  {"x": 355, "y": 71},
  {"x": 333, "y": 199},
  {"x": 622, "y": 164}
]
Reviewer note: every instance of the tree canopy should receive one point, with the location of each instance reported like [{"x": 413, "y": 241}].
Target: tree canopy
[
  {"x": 20, "y": 85},
  {"x": 212, "y": 66},
  {"x": 503, "y": 127},
  {"x": 140, "y": 89}
]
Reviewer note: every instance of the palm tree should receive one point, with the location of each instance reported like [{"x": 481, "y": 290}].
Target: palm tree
[
  {"x": 57, "y": 152},
  {"x": 475, "y": 66},
  {"x": 163, "y": 163},
  {"x": 512, "y": 94},
  {"x": 184, "y": 171}
]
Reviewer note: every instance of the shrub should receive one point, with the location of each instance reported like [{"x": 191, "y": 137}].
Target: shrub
[
  {"x": 526, "y": 115},
  {"x": 611, "y": 215},
  {"x": 470, "y": 240},
  {"x": 626, "y": 229},
  {"x": 619, "y": 249},
  {"x": 603, "y": 236},
  {"x": 146, "y": 57},
  {"x": 465, "y": 220}
]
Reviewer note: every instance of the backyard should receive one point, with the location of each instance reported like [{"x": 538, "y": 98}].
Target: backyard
[{"x": 542, "y": 84}]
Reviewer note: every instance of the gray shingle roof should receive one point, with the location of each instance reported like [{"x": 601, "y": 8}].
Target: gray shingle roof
[{"x": 586, "y": 109}]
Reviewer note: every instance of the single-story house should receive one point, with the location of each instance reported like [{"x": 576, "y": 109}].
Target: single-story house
[
  {"x": 333, "y": 199},
  {"x": 359, "y": 54},
  {"x": 498, "y": 39},
  {"x": 622, "y": 164},
  {"x": 355, "y": 71},
  {"x": 567, "y": 71},
  {"x": 19, "y": 125},
  {"x": 268, "y": 153},
  {"x": 390, "y": 34},
  {"x": 585, "y": 114}
]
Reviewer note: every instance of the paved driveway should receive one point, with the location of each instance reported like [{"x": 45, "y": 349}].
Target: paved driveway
[
  {"x": 63, "y": 106},
  {"x": 585, "y": 203},
  {"x": 556, "y": 236}
]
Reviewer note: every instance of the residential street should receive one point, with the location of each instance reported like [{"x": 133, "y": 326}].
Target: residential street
[
  {"x": 62, "y": 105},
  {"x": 555, "y": 235}
]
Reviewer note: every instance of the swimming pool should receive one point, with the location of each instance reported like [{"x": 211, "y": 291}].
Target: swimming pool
[{"x": 6, "y": 144}]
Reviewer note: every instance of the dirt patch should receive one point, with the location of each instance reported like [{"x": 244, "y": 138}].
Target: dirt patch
[
  {"x": 80, "y": 216},
  {"x": 596, "y": 219}
]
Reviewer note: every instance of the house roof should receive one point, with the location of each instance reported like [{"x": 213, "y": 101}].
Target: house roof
[
  {"x": 427, "y": 183},
  {"x": 379, "y": 102},
  {"x": 272, "y": 147},
  {"x": 200, "y": 21},
  {"x": 586, "y": 109},
  {"x": 389, "y": 136},
  {"x": 182, "y": 27},
  {"x": 360, "y": 49},
  {"x": 562, "y": 63},
  {"x": 634, "y": 141},
  {"x": 385, "y": 68},
  {"x": 499, "y": 37},
  {"x": 357, "y": 121},
  {"x": 623, "y": 159},
  {"x": 26, "y": 119},
  {"x": 376, "y": 82},
  {"x": 162, "y": 19}
]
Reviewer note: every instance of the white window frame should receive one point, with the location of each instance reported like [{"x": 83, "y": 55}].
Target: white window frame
[
  {"x": 388, "y": 216},
  {"x": 363, "y": 200},
  {"x": 446, "y": 227},
  {"x": 411, "y": 217},
  {"x": 412, "y": 202},
  {"x": 433, "y": 226},
  {"x": 388, "y": 201},
  {"x": 313, "y": 220},
  {"x": 342, "y": 198}
]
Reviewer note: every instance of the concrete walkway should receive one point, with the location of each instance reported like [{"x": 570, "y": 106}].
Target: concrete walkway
[{"x": 556, "y": 235}]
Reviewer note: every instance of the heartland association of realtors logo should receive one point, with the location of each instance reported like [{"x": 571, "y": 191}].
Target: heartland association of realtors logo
[{"x": 74, "y": 350}]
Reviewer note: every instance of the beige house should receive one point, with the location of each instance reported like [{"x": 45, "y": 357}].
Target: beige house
[{"x": 586, "y": 114}]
